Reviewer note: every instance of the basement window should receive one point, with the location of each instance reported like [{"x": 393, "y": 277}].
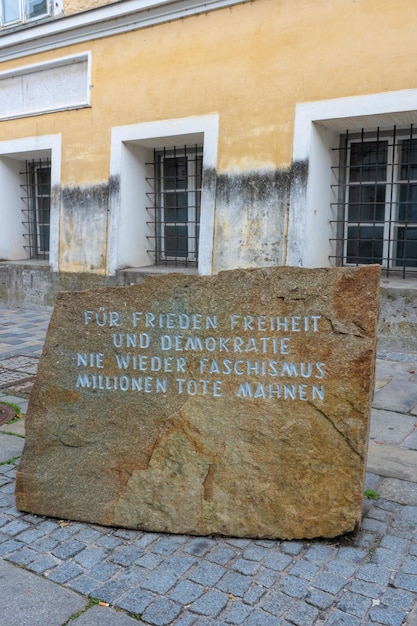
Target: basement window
[
  {"x": 37, "y": 208},
  {"x": 174, "y": 191},
  {"x": 376, "y": 204}
]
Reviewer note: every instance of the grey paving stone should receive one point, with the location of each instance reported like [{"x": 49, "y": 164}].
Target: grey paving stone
[
  {"x": 276, "y": 602},
  {"x": 108, "y": 541},
  {"x": 260, "y": 618},
  {"x": 292, "y": 547},
  {"x": 374, "y": 526},
  {"x": 246, "y": 567},
  {"x": 207, "y": 574},
  {"x": 319, "y": 553},
  {"x": 135, "y": 600},
  {"x": 104, "y": 571},
  {"x": 132, "y": 576},
  {"x": 186, "y": 592},
  {"x": 234, "y": 583},
  {"x": 302, "y": 614},
  {"x": 374, "y": 574},
  {"x": 277, "y": 561},
  {"x": 8, "y": 546},
  {"x": 198, "y": 547},
  {"x": 354, "y": 604},
  {"x": 90, "y": 556},
  {"x": 254, "y": 594},
  {"x": 162, "y": 612},
  {"x": 370, "y": 590},
  {"x": 255, "y": 553},
  {"x": 410, "y": 513},
  {"x": 341, "y": 568},
  {"x": 64, "y": 572},
  {"x": 406, "y": 581},
  {"x": 221, "y": 555},
  {"x": 110, "y": 591},
  {"x": 398, "y": 491},
  {"x": 239, "y": 543},
  {"x": 159, "y": 581},
  {"x": 178, "y": 564},
  {"x": 398, "y": 599},
  {"x": 23, "y": 556},
  {"x": 304, "y": 569},
  {"x": 104, "y": 616},
  {"x": 292, "y": 586},
  {"x": 10, "y": 447},
  {"x": 320, "y": 599},
  {"x": 338, "y": 618},
  {"x": 85, "y": 585},
  {"x": 210, "y": 603},
  {"x": 267, "y": 577},
  {"x": 396, "y": 396},
  {"x": 29, "y": 599},
  {"x": 14, "y": 528},
  {"x": 126, "y": 555},
  {"x": 356, "y": 555},
  {"x": 42, "y": 563},
  {"x": 67, "y": 549},
  {"x": 391, "y": 542},
  {"x": 168, "y": 545},
  {"x": 31, "y": 535},
  {"x": 389, "y": 558},
  {"x": 45, "y": 544},
  {"x": 387, "y": 615},
  {"x": 329, "y": 582},
  {"x": 149, "y": 560},
  {"x": 186, "y": 620},
  {"x": 237, "y": 613}
]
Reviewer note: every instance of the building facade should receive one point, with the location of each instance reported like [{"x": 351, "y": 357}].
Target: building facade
[{"x": 187, "y": 135}]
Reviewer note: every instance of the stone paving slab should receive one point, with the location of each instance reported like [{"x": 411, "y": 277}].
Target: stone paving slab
[
  {"x": 10, "y": 447},
  {"x": 27, "y": 600},
  {"x": 390, "y": 427},
  {"x": 386, "y": 460}
]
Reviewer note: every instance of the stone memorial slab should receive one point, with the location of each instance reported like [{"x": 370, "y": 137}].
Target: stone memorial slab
[{"x": 235, "y": 404}]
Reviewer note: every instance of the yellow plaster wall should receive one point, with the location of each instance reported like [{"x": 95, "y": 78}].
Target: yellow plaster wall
[
  {"x": 78, "y": 6},
  {"x": 250, "y": 63}
]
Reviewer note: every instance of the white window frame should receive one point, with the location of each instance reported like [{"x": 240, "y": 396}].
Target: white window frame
[
  {"x": 132, "y": 149},
  {"x": 317, "y": 128},
  {"x": 13, "y": 155},
  {"x": 24, "y": 12}
]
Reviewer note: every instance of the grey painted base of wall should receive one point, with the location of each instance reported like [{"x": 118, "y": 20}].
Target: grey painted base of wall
[{"x": 34, "y": 285}]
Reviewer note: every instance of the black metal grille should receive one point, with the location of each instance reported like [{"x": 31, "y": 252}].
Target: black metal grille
[
  {"x": 174, "y": 193},
  {"x": 375, "y": 207},
  {"x": 37, "y": 209}
]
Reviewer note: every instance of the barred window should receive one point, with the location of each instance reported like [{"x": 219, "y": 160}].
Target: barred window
[
  {"x": 37, "y": 211},
  {"x": 377, "y": 200},
  {"x": 174, "y": 211}
]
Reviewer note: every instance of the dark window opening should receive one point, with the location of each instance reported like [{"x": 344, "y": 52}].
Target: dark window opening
[
  {"x": 376, "y": 205},
  {"x": 37, "y": 211},
  {"x": 174, "y": 215}
]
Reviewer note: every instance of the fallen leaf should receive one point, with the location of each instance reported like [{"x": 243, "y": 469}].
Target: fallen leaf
[
  {"x": 62, "y": 524},
  {"x": 379, "y": 442},
  {"x": 101, "y": 603},
  {"x": 411, "y": 371}
]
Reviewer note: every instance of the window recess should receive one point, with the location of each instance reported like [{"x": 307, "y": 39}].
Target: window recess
[
  {"x": 37, "y": 207},
  {"x": 174, "y": 194},
  {"x": 375, "y": 205}
]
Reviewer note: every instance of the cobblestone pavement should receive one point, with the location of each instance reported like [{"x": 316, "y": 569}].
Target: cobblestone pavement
[{"x": 369, "y": 578}]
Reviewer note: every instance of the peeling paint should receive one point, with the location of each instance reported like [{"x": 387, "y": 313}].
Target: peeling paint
[
  {"x": 251, "y": 218},
  {"x": 83, "y": 236}
]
